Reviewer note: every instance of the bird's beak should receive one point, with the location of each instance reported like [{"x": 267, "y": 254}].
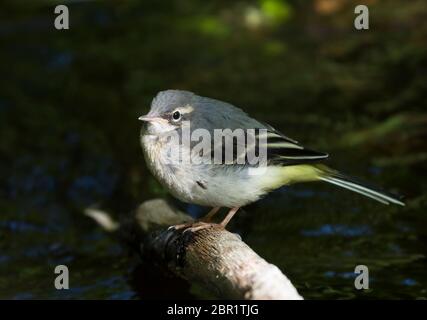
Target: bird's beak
[{"x": 148, "y": 118}]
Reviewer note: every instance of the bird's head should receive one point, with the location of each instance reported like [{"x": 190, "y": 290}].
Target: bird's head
[{"x": 169, "y": 110}]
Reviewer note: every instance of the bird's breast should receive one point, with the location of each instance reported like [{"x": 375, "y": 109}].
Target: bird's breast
[{"x": 164, "y": 160}]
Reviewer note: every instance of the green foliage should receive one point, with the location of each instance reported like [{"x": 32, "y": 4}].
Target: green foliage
[{"x": 277, "y": 11}]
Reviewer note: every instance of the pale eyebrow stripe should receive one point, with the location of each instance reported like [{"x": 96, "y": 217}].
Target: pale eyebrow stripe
[{"x": 186, "y": 109}]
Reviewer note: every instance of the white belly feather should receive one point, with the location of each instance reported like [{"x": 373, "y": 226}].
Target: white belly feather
[{"x": 207, "y": 185}]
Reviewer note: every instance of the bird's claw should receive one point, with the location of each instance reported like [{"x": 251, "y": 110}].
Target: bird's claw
[
  {"x": 199, "y": 226},
  {"x": 193, "y": 227},
  {"x": 180, "y": 226}
]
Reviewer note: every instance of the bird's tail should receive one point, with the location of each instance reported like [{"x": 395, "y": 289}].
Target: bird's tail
[{"x": 323, "y": 173}]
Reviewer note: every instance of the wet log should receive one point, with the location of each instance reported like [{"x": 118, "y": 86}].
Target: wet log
[{"x": 214, "y": 258}]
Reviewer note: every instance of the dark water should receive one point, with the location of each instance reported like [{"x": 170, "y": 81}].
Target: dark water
[{"x": 69, "y": 138}]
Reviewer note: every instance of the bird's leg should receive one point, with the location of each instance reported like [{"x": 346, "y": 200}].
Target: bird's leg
[
  {"x": 201, "y": 224},
  {"x": 204, "y": 222},
  {"x": 209, "y": 216},
  {"x": 228, "y": 217}
]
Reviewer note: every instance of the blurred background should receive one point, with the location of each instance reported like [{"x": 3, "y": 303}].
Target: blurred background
[{"x": 69, "y": 136}]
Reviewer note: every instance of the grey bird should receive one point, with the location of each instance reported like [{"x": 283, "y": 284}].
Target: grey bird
[{"x": 229, "y": 184}]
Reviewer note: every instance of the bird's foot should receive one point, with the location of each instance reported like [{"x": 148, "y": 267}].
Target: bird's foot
[
  {"x": 181, "y": 226},
  {"x": 194, "y": 226},
  {"x": 203, "y": 223},
  {"x": 200, "y": 225}
]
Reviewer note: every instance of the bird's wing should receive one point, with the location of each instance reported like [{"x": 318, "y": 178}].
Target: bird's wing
[
  {"x": 278, "y": 148},
  {"x": 266, "y": 143},
  {"x": 283, "y": 150}
]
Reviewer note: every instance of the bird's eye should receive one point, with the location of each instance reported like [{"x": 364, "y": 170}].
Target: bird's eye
[{"x": 176, "y": 116}]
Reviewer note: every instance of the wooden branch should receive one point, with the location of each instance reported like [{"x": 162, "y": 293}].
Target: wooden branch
[{"x": 213, "y": 257}]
